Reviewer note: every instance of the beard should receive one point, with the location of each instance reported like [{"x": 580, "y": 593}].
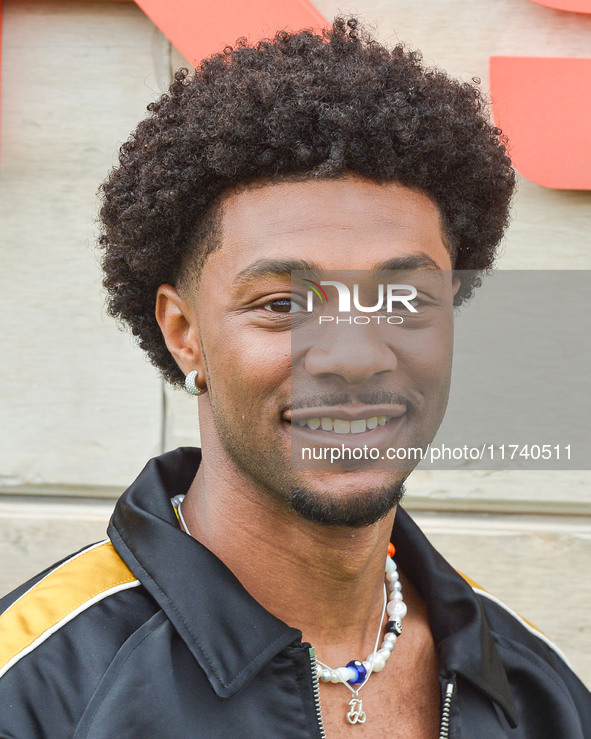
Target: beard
[{"x": 356, "y": 512}]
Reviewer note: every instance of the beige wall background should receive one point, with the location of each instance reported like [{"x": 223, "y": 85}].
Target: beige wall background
[{"x": 81, "y": 410}]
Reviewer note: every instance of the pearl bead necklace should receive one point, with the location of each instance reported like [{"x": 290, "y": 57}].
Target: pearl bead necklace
[{"x": 358, "y": 672}]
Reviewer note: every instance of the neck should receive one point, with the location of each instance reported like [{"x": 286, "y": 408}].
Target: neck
[{"x": 326, "y": 581}]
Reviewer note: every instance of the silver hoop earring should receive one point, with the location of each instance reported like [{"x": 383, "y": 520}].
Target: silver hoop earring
[{"x": 190, "y": 385}]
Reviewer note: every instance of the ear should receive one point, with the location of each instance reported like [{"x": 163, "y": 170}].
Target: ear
[
  {"x": 178, "y": 323},
  {"x": 455, "y": 285}
]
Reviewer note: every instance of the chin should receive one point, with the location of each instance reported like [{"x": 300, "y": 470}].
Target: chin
[
  {"x": 356, "y": 506},
  {"x": 350, "y": 482}
]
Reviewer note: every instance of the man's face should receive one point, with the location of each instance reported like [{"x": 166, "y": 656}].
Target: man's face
[{"x": 245, "y": 326}]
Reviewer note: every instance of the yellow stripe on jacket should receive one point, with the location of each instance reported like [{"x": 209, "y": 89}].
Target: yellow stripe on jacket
[{"x": 67, "y": 590}]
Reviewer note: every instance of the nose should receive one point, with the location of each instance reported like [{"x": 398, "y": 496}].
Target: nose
[{"x": 355, "y": 353}]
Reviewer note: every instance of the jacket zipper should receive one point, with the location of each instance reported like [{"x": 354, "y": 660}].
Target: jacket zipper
[
  {"x": 444, "y": 730},
  {"x": 316, "y": 686}
]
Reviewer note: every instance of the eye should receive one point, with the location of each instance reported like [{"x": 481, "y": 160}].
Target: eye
[
  {"x": 283, "y": 305},
  {"x": 416, "y": 303}
]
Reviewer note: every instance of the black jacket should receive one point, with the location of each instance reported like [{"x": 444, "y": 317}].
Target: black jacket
[{"x": 151, "y": 636}]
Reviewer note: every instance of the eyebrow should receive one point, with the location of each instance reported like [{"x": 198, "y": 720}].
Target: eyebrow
[
  {"x": 285, "y": 267},
  {"x": 276, "y": 268},
  {"x": 417, "y": 260}
]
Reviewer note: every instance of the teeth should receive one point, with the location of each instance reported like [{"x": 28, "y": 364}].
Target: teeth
[{"x": 341, "y": 427}]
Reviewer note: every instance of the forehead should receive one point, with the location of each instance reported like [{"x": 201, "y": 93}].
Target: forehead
[{"x": 350, "y": 223}]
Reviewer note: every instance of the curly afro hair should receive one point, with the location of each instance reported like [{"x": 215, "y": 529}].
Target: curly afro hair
[{"x": 297, "y": 106}]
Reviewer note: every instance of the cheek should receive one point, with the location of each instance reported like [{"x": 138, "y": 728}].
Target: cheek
[
  {"x": 436, "y": 370},
  {"x": 247, "y": 366},
  {"x": 427, "y": 352}
]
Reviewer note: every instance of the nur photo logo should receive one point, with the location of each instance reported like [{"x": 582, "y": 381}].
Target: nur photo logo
[{"x": 390, "y": 298}]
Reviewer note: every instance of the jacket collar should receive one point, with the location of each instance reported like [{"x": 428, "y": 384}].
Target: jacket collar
[
  {"x": 464, "y": 643},
  {"x": 228, "y": 632},
  {"x": 231, "y": 635}
]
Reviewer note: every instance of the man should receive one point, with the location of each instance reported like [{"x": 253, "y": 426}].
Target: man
[{"x": 240, "y": 595}]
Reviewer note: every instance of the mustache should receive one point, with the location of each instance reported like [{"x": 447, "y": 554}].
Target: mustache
[{"x": 368, "y": 397}]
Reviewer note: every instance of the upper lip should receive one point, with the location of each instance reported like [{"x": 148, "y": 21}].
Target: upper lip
[{"x": 346, "y": 412}]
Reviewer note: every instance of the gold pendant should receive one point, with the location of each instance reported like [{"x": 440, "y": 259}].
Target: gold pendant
[{"x": 356, "y": 715}]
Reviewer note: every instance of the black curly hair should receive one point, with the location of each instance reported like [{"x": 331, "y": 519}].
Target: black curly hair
[{"x": 294, "y": 107}]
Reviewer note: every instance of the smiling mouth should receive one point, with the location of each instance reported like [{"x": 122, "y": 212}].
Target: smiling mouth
[{"x": 342, "y": 426}]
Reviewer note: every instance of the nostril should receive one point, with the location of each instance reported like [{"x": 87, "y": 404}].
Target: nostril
[{"x": 353, "y": 363}]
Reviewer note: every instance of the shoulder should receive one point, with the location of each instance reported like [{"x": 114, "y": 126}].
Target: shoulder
[
  {"x": 504, "y": 621},
  {"x": 533, "y": 663},
  {"x": 59, "y": 633}
]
